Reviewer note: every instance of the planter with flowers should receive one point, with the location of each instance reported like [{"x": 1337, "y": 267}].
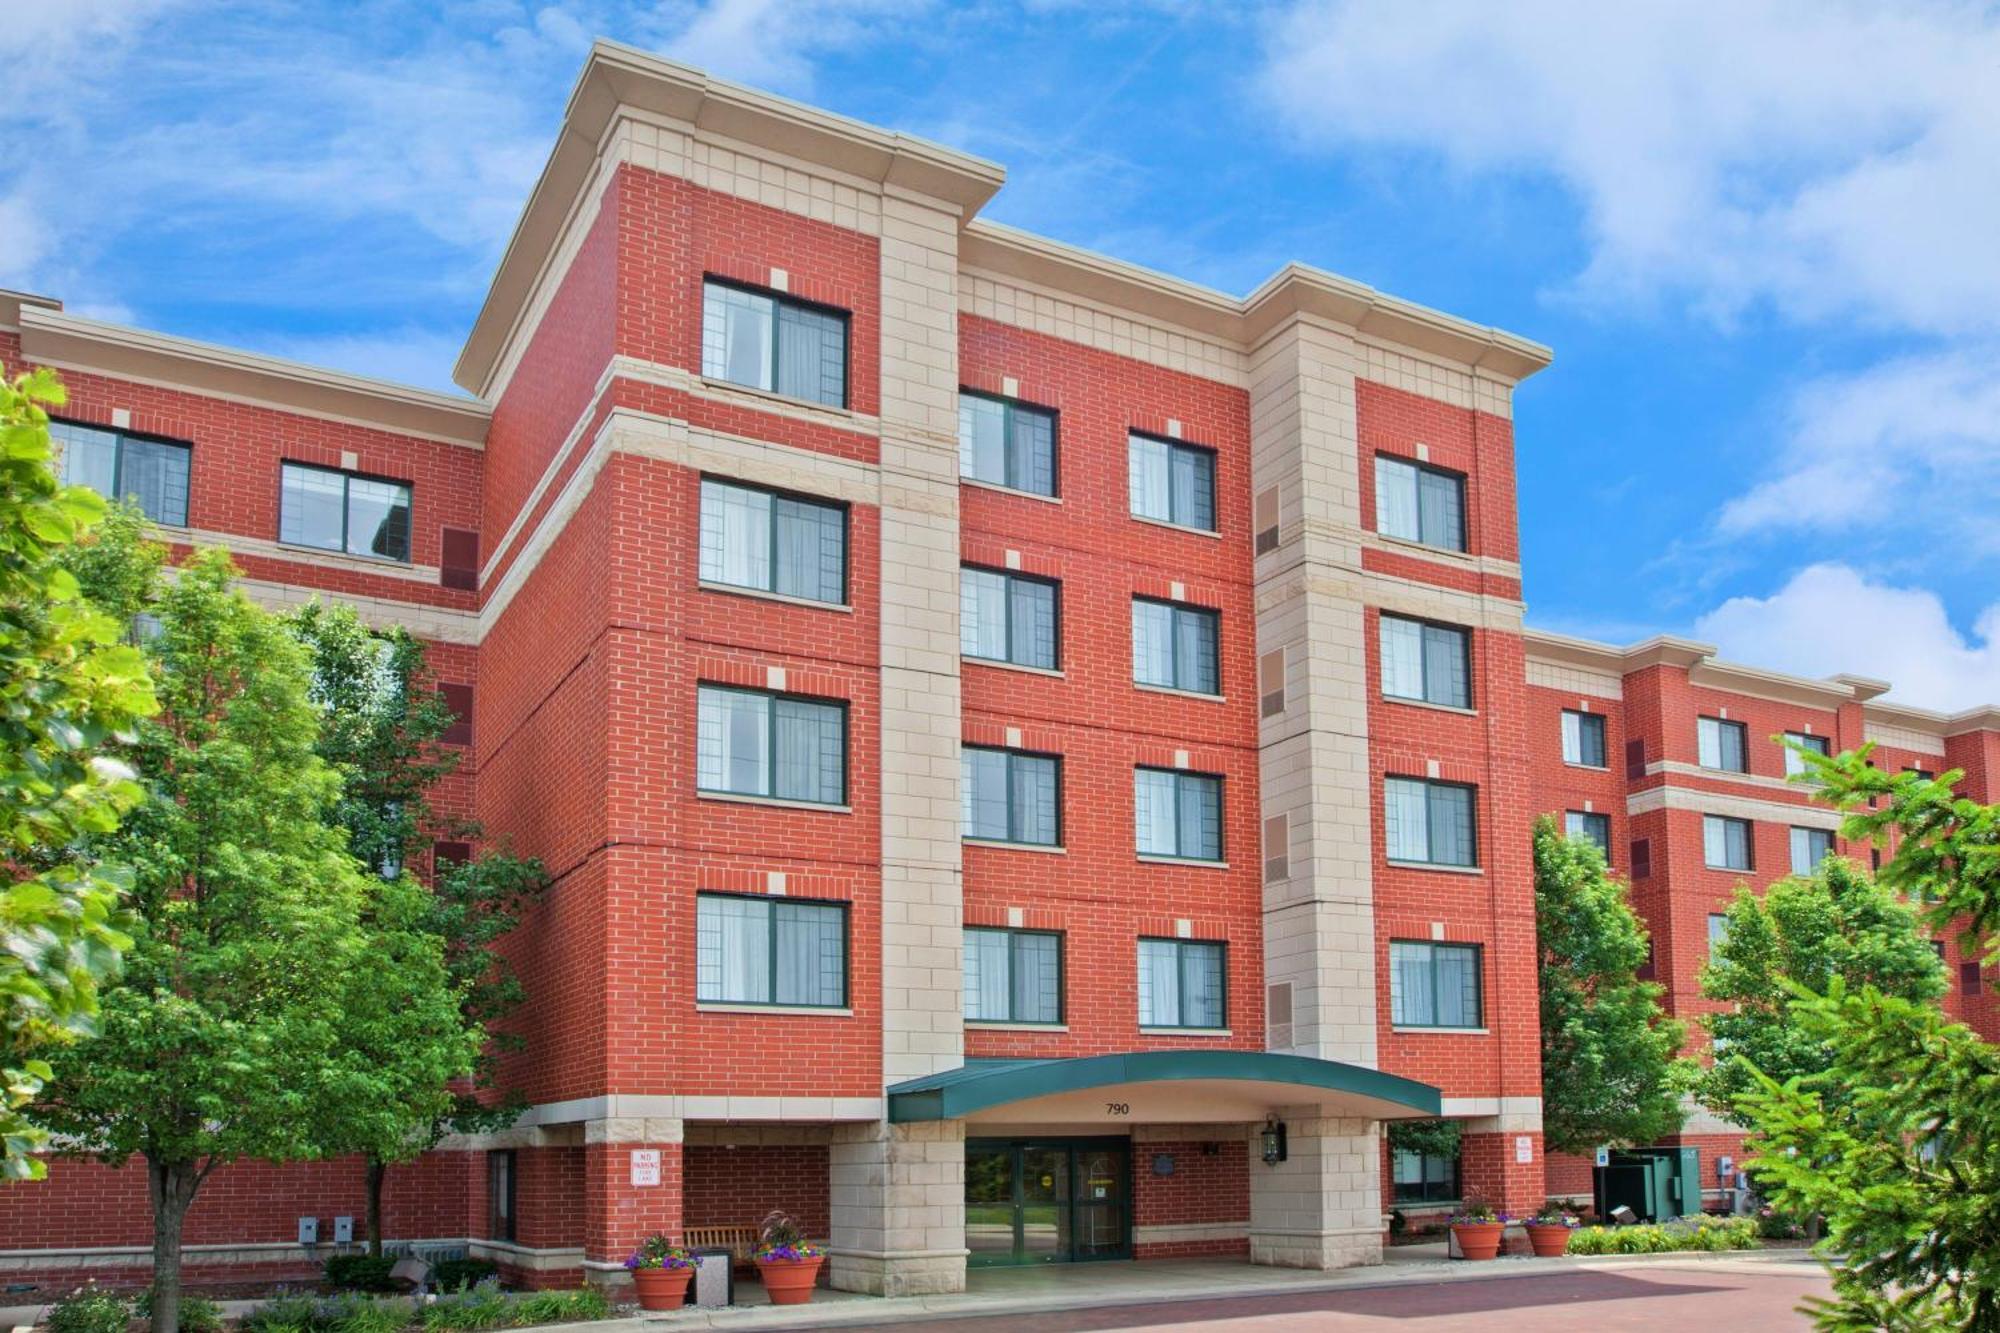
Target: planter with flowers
[
  {"x": 1478, "y": 1230},
  {"x": 786, "y": 1261},
  {"x": 1548, "y": 1230},
  {"x": 661, "y": 1271}
]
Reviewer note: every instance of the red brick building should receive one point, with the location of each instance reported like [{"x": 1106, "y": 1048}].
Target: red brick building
[{"x": 1012, "y": 732}]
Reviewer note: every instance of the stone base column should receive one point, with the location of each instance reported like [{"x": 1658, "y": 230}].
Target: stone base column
[
  {"x": 618, "y": 1212},
  {"x": 1322, "y": 1206},
  {"x": 898, "y": 1197}
]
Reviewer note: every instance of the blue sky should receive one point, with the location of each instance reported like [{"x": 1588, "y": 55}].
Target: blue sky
[{"x": 1761, "y": 238}]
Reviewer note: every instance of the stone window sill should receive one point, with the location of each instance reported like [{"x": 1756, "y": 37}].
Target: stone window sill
[
  {"x": 762, "y": 594},
  {"x": 1185, "y": 1032},
  {"x": 1006, "y": 846},
  {"x": 1009, "y": 490},
  {"x": 775, "y": 802},
  {"x": 790, "y": 1010},
  {"x": 1194, "y": 861},
  {"x": 1202, "y": 695},
  {"x": 1177, "y": 527},
  {"x": 1054, "y": 672},
  {"x": 1442, "y": 870},
  {"x": 995, "y": 1025},
  {"x": 1449, "y": 1032}
]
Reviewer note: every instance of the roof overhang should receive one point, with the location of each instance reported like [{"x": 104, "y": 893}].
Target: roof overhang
[{"x": 1157, "y": 1087}]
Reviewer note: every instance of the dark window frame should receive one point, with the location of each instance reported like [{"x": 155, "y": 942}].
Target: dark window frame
[
  {"x": 772, "y": 902},
  {"x": 1011, "y": 406},
  {"x": 778, "y": 298},
  {"x": 1464, "y": 481},
  {"x": 1478, "y": 952},
  {"x": 1012, "y": 822},
  {"x": 1811, "y": 835},
  {"x": 1213, "y": 615},
  {"x": 1588, "y": 817},
  {"x": 503, "y": 1223},
  {"x": 1464, "y": 633},
  {"x": 1402, "y": 1193},
  {"x": 1221, "y": 948},
  {"x": 118, "y": 461},
  {"x": 1056, "y": 603},
  {"x": 775, "y": 493},
  {"x": 348, "y": 476},
  {"x": 1429, "y": 832},
  {"x": 771, "y": 697},
  {"x": 1741, "y": 730},
  {"x": 1062, "y": 976},
  {"x": 1603, "y": 730},
  {"x": 1221, "y": 856},
  {"x": 1214, "y": 457},
  {"x": 1749, "y": 844}
]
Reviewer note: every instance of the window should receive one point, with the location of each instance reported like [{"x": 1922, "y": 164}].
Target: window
[
  {"x": 774, "y": 343},
  {"x": 777, "y": 543},
  {"x": 1583, "y": 738},
  {"x": 1424, "y": 1177},
  {"x": 1590, "y": 825},
  {"x": 1721, "y": 744},
  {"x": 1968, "y": 978},
  {"x": 1434, "y": 985},
  {"x": 1795, "y": 763},
  {"x": 770, "y": 951},
  {"x": 502, "y": 1194},
  {"x": 340, "y": 511},
  {"x": 121, "y": 466},
  {"x": 1172, "y": 482},
  {"x": 1178, "y": 814},
  {"x": 1429, "y": 823},
  {"x": 1810, "y": 846},
  {"x": 1011, "y": 797},
  {"x": 1008, "y": 618},
  {"x": 1181, "y": 984},
  {"x": 1013, "y": 976},
  {"x": 1430, "y": 663},
  {"x": 1006, "y": 443},
  {"x": 749, "y": 743},
  {"x": 1725, "y": 842},
  {"x": 1718, "y": 926},
  {"x": 1419, "y": 503},
  {"x": 1176, "y": 646}
]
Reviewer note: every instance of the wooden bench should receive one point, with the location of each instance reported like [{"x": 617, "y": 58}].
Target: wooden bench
[{"x": 740, "y": 1240}]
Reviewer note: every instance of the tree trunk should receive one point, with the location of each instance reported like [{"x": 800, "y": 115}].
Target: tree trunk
[
  {"x": 172, "y": 1186},
  {"x": 377, "y": 1169}
]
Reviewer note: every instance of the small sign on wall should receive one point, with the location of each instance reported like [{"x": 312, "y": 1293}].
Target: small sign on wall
[
  {"x": 645, "y": 1166},
  {"x": 1524, "y": 1148}
]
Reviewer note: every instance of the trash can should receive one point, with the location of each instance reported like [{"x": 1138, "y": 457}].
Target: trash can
[{"x": 714, "y": 1276}]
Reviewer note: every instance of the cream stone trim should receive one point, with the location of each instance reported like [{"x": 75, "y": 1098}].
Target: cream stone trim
[
  {"x": 1167, "y": 1233},
  {"x": 266, "y": 549},
  {"x": 1438, "y": 555},
  {"x": 1902, "y": 737},
  {"x": 789, "y": 1010},
  {"x": 996, "y": 487},
  {"x": 744, "y": 798},
  {"x": 1680, "y": 768},
  {"x": 1575, "y": 680},
  {"x": 627, "y": 1107},
  {"x": 437, "y": 624},
  {"x": 56, "y": 338},
  {"x": 1735, "y": 807},
  {"x": 1512, "y": 1115},
  {"x": 1073, "y": 317},
  {"x": 766, "y": 595},
  {"x": 552, "y": 1259},
  {"x": 712, "y": 1135}
]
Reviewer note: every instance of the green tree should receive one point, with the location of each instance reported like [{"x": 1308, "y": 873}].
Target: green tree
[
  {"x": 1805, "y": 931},
  {"x": 383, "y": 722},
  {"x": 275, "y": 1001},
  {"x": 1609, "y": 1052},
  {"x": 68, "y": 688},
  {"x": 1896, "y": 1140}
]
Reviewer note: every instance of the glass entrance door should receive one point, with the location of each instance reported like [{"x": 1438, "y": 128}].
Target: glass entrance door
[{"x": 1040, "y": 1201}]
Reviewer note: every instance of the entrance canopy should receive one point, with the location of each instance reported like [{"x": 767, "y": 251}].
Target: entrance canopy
[{"x": 1157, "y": 1087}]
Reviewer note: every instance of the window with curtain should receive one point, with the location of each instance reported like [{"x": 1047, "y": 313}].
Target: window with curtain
[
  {"x": 773, "y": 542},
  {"x": 341, "y": 511},
  {"x": 1172, "y": 482},
  {"x": 1426, "y": 662},
  {"x": 763, "y": 340},
  {"x": 1795, "y": 763},
  {"x": 1429, "y": 823},
  {"x": 1013, "y": 976},
  {"x": 785, "y": 951},
  {"x": 1434, "y": 985},
  {"x": 121, "y": 466},
  {"x": 1810, "y": 846},
  {"x": 1722, "y": 744},
  {"x": 1725, "y": 842},
  {"x": 1004, "y": 443},
  {"x": 1178, "y": 814},
  {"x": 1009, "y": 796},
  {"x": 1589, "y": 825},
  {"x": 753, "y": 743},
  {"x": 1006, "y": 617},
  {"x": 1176, "y": 646},
  {"x": 1419, "y": 503},
  {"x": 1583, "y": 738},
  {"x": 1181, "y": 984}
]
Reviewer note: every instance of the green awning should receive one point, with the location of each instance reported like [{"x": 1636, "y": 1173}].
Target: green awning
[{"x": 1228, "y": 1082}]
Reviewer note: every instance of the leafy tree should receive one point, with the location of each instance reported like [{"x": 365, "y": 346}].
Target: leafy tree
[
  {"x": 1609, "y": 1065},
  {"x": 67, "y": 688},
  {"x": 275, "y": 1001},
  {"x": 1803, "y": 931},
  {"x": 1896, "y": 1140},
  {"x": 383, "y": 722}
]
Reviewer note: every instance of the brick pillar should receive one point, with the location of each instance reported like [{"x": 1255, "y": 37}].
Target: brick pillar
[
  {"x": 898, "y": 1203},
  {"x": 617, "y": 1213},
  {"x": 1322, "y": 1206},
  {"x": 1490, "y": 1168}
]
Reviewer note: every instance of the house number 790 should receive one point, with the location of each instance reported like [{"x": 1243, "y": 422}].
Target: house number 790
[{"x": 1118, "y": 1108}]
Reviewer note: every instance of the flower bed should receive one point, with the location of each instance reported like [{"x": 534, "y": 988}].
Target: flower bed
[{"x": 1699, "y": 1233}]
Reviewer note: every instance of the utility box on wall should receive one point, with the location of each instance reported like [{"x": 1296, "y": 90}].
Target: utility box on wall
[{"x": 309, "y": 1231}]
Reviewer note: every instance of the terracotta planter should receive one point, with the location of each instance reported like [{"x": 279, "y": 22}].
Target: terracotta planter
[
  {"x": 1478, "y": 1240},
  {"x": 662, "y": 1288},
  {"x": 790, "y": 1281},
  {"x": 1550, "y": 1239}
]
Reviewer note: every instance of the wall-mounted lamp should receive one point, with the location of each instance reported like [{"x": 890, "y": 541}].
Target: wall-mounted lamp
[{"x": 1273, "y": 1137}]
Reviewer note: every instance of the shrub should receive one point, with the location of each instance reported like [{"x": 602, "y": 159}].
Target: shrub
[
  {"x": 1706, "y": 1233},
  {"x": 198, "y": 1313},
  {"x": 357, "y": 1313},
  {"x": 360, "y": 1272},
  {"x": 461, "y": 1274},
  {"x": 89, "y": 1309},
  {"x": 286, "y": 1314},
  {"x": 481, "y": 1308},
  {"x": 562, "y": 1307}
]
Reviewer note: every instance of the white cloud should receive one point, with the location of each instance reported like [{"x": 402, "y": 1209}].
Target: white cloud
[
  {"x": 772, "y": 43},
  {"x": 418, "y": 356},
  {"x": 1831, "y": 159},
  {"x": 1829, "y": 620}
]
